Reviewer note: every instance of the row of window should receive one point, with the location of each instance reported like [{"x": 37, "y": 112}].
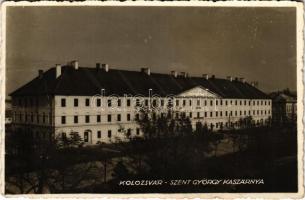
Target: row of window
[
  {"x": 33, "y": 118},
  {"x": 206, "y": 114},
  {"x": 178, "y": 102}
]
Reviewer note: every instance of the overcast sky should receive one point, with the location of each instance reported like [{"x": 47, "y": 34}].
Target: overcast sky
[{"x": 256, "y": 43}]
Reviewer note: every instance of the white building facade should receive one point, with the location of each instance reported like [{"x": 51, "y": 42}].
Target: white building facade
[{"x": 101, "y": 118}]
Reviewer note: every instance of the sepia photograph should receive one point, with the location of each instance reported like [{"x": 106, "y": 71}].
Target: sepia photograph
[{"x": 127, "y": 98}]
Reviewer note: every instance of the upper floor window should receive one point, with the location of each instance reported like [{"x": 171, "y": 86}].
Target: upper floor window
[
  {"x": 119, "y": 117},
  {"x": 198, "y": 102},
  {"x": 216, "y": 103},
  {"x": 98, "y": 118},
  {"x": 98, "y": 102},
  {"x": 119, "y": 103},
  {"x": 128, "y": 102},
  {"x": 162, "y": 102},
  {"x": 109, "y": 118},
  {"x": 211, "y": 102},
  {"x": 109, "y": 102},
  {"x": 75, "y": 102},
  {"x": 221, "y": 102},
  {"x": 87, "y": 102},
  {"x": 63, "y": 102},
  {"x": 109, "y": 133},
  {"x": 190, "y": 102},
  {"x": 128, "y": 117},
  {"x": 87, "y": 118},
  {"x": 146, "y": 102},
  {"x": 177, "y": 102},
  {"x": 184, "y": 102}
]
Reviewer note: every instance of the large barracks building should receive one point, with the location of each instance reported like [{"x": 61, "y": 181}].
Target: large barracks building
[{"x": 99, "y": 102}]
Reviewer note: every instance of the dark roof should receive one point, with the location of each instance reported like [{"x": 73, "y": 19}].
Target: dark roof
[{"x": 90, "y": 81}]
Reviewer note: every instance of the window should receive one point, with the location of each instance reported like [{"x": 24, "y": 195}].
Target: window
[
  {"x": 154, "y": 103},
  {"x": 162, "y": 102},
  {"x": 63, "y": 102},
  {"x": 245, "y": 112},
  {"x": 119, "y": 103},
  {"x": 184, "y": 102},
  {"x": 198, "y": 114},
  {"x": 128, "y": 102},
  {"x": 128, "y": 131},
  {"x": 87, "y": 118},
  {"x": 119, "y": 117},
  {"x": 211, "y": 102},
  {"x": 137, "y": 102},
  {"x": 240, "y": 113},
  {"x": 205, "y": 102},
  {"x": 245, "y": 103},
  {"x": 87, "y": 102},
  {"x": 221, "y": 102},
  {"x": 235, "y": 113},
  {"x": 109, "y": 118},
  {"x": 75, "y": 102},
  {"x": 109, "y": 102},
  {"x": 98, "y": 118},
  {"x": 216, "y": 103},
  {"x": 128, "y": 117},
  {"x": 138, "y": 131},
  {"x": 99, "y": 134},
  {"x": 191, "y": 114},
  {"x": 216, "y": 113},
  {"x": 220, "y": 113},
  {"x": 249, "y": 112},
  {"x": 109, "y": 133},
  {"x": 137, "y": 117},
  {"x": 190, "y": 102},
  {"x": 205, "y": 114},
  {"x": 98, "y": 102},
  {"x": 63, "y": 119},
  {"x": 198, "y": 102},
  {"x": 75, "y": 119},
  {"x": 235, "y": 102},
  {"x": 253, "y": 103},
  {"x": 211, "y": 114},
  {"x": 226, "y": 113},
  {"x": 226, "y": 102},
  {"x": 177, "y": 102},
  {"x": 146, "y": 102}
]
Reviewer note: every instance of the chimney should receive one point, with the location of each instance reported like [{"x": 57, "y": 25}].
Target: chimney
[
  {"x": 74, "y": 63},
  {"x": 40, "y": 73},
  {"x": 206, "y": 76},
  {"x": 174, "y": 73},
  {"x": 58, "y": 70},
  {"x": 145, "y": 70},
  {"x": 98, "y": 66},
  {"x": 230, "y": 78},
  {"x": 105, "y": 67},
  {"x": 243, "y": 80}
]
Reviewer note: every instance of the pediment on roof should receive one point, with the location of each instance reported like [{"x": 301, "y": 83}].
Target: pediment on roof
[{"x": 198, "y": 91}]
